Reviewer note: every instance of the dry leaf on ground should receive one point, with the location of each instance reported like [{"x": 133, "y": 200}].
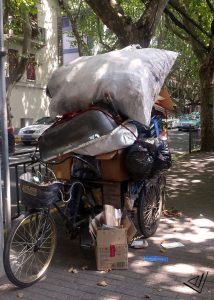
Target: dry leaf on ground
[
  {"x": 163, "y": 250},
  {"x": 172, "y": 213},
  {"x": 102, "y": 283},
  {"x": 72, "y": 270},
  {"x": 20, "y": 295},
  {"x": 108, "y": 270}
]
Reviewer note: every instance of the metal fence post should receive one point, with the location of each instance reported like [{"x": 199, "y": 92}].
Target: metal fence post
[
  {"x": 1, "y": 230},
  {"x": 190, "y": 140},
  {"x": 3, "y": 118}
]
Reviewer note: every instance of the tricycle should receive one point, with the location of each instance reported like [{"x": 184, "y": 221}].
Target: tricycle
[{"x": 31, "y": 242}]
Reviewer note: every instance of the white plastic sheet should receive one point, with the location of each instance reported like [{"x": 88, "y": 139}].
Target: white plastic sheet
[
  {"x": 121, "y": 137},
  {"x": 133, "y": 77}
]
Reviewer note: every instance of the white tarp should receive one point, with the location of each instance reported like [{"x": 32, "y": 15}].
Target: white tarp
[
  {"x": 121, "y": 137},
  {"x": 133, "y": 77}
]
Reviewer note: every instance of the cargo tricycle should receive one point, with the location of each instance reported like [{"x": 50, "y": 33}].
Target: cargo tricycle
[{"x": 77, "y": 186}]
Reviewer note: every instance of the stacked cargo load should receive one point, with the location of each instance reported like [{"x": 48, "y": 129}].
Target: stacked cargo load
[{"x": 106, "y": 104}]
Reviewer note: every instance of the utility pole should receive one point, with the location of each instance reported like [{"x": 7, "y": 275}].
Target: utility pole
[{"x": 5, "y": 174}]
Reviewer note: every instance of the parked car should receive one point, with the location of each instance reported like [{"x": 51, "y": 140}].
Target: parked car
[
  {"x": 11, "y": 140},
  {"x": 31, "y": 133},
  {"x": 171, "y": 123},
  {"x": 189, "y": 122}
]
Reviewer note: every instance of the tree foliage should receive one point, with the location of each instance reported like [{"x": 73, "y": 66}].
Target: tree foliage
[
  {"x": 194, "y": 20},
  {"x": 183, "y": 80}
]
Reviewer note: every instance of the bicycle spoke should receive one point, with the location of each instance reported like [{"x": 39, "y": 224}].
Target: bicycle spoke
[{"x": 31, "y": 248}]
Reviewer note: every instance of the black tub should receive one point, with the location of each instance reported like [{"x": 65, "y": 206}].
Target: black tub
[{"x": 71, "y": 132}]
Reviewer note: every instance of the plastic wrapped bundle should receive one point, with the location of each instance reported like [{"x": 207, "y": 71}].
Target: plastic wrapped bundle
[{"x": 133, "y": 77}]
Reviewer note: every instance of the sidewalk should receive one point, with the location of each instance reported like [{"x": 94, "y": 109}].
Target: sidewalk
[{"x": 190, "y": 189}]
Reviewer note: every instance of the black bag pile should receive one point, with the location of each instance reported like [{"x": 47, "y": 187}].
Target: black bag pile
[
  {"x": 139, "y": 162},
  {"x": 150, "y": 154}
]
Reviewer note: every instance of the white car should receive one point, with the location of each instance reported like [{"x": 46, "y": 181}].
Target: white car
[
  {"x": 31, "y": 133},
  {"x": 171, "y": 123}
]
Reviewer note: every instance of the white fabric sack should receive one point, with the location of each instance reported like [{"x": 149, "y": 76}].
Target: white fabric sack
[
  {"x": 121, "y": 137},
  {"x": 133, "y": 77}
]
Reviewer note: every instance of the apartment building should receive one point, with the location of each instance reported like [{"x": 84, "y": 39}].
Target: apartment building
[{"x": 28, "y": 98}]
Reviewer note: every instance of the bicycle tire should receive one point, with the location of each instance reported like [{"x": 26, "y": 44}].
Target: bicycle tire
[
  {"x": 149, "y": 208},
  {"x": 21, "y": 243}
]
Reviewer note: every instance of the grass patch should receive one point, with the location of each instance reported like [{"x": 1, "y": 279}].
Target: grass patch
[{"x": 177, "y": 157}]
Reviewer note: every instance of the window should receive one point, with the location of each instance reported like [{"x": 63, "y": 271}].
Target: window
[
  {"x": 30, "y": 69},
  {"x": 12, "y": 60},
  {"x": 34, "y": 25}
]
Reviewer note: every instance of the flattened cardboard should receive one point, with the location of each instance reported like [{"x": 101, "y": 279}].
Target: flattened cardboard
[
  {"x": 106, "y": 156},
  {"x": 63, "y": 170},
  {"x": 113, "y": 169},
  {"x": 130, "y": 227},
  {"x": 109, "y": 213}
]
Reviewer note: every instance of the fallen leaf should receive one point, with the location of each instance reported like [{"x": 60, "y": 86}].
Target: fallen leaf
[
  {"x": 72, "y": 270},
  {"x": 172, "y": 213},
  {"x": 20, "y": 295},
  {"x": 159, "y": 290},
  {"x": 102, "y": 283},
  {"x": 147, "y": 297},
  {"x": 163, "y": 250},
  {"x": 85, "y": 268},
  {"x": 108, "y": 270}
]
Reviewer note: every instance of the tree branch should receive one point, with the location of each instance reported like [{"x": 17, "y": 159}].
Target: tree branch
[
  {"x": 100, "y": 36},
  {"x": 211, "y": 6},
  {"x": 150, "y": 19},
  {"x": 187, "y": 30},
  {"x": 73, "y": 20},
  {"x": 112, "y": 15},
  {"x": 178, "y": 8},
  {"x": 173, "y": 29},
  {"x": 18, "y": 73}
]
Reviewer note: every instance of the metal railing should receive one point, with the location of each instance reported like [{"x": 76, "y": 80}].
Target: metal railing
[
  {"x": 16, "y": 169},
  {"x": 194, "y": 140}
]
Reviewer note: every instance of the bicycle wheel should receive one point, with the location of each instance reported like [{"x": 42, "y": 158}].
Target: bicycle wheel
[
  {"x": 149, "y": 208},
  {"x": 29, "y": 248}
]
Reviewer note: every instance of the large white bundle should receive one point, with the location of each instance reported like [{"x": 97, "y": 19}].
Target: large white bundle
[{"x": 133, "y": 77}]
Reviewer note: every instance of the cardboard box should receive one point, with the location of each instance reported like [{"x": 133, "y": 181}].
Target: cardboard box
[
  {"x": 130, "y": 228},
  {"x": 63, "y": 170},
  {"x": 108, "y": 219},
  {"x": 111, "y": 249},
  {"x": 112, "y": 166}
]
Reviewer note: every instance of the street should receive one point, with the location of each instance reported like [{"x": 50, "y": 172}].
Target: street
[{"x": 179, "y": 140}]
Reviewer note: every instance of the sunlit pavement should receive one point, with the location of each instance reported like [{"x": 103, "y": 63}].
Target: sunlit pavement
[{"x": 190, "y": 189}]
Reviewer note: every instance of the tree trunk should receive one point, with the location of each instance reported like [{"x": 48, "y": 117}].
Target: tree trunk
[
  {"x": 207, "y": 106},
  {"x": 128, "y": 32}
]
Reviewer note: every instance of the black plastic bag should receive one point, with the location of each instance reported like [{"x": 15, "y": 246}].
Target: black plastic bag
[
  {"x": 163, "y": 160},
  {"x": 138, "y": 162}
]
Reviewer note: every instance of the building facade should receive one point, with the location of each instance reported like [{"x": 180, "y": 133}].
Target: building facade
[
  {"x": 69, "y": 52},
  {"x": 28, "y": 98}
]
